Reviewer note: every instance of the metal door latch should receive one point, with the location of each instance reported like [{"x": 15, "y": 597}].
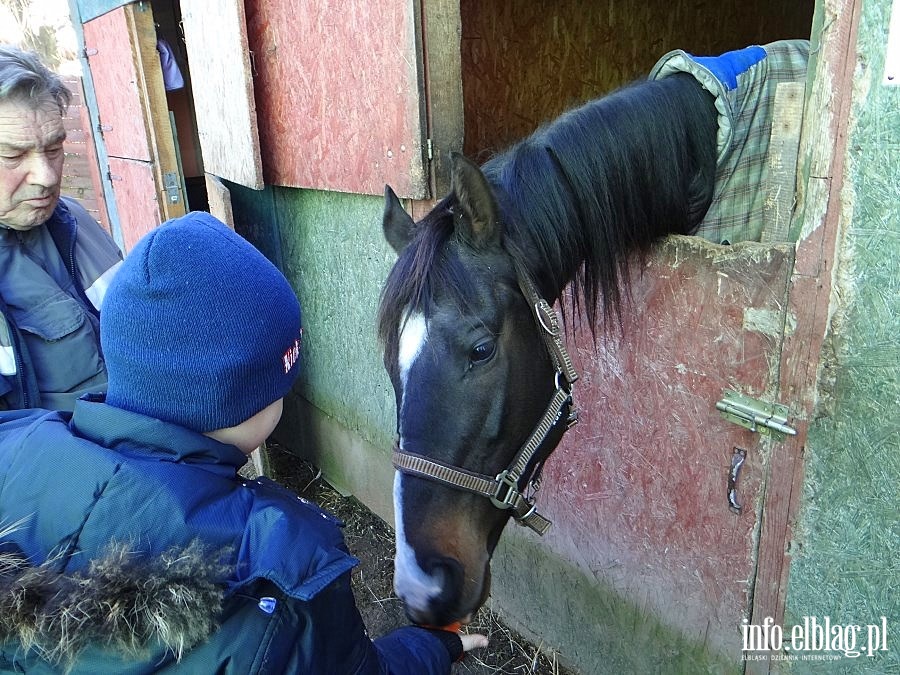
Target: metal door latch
[{"x": 765, "y": 418}]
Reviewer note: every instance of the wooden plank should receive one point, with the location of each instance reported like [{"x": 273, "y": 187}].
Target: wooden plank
[
  {"x": 442, "y": 29},
  {"x": 133, "y": 184},
  {"x": 781, "y": 170},
  {"x": 216, "y": 38},
  {"x": 340, "y": 87},
  {"x": 822, "y": 155},
  {"x": 219, "y": 200},
  {"x": 155, "y": 109}
]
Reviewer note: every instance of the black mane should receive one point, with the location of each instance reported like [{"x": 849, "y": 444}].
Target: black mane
[
  {"x": 579, "y": 196},
  {"x": 605, "y": 180}
]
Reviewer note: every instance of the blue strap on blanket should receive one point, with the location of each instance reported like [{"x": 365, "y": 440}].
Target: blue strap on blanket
[{"x": 730, "y": 65}]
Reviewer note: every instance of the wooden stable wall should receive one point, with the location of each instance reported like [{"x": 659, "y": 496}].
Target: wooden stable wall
[
  {"x": 638, "y": 490},
  {"x": 646, "y": 569},
  {"x": 524, "y": 62}
]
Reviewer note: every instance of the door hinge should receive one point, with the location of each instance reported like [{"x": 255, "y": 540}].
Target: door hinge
[
  {"x": 171, "y": 186},
  {"x": 430, "y": 149},
  {"x": 765, "y": 418}
]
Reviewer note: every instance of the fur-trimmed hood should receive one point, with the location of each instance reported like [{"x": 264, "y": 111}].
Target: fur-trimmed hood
[{"x": 121, "y": 602}]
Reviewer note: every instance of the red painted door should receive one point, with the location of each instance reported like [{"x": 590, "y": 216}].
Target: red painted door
[
  {"x": 638, "y": 489},
  {"x": 134, "y": 119}
]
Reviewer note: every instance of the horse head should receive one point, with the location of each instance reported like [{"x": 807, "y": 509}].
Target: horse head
[
  {"x": 472, "y": 375},
  {"x": 481, "y": 376}
]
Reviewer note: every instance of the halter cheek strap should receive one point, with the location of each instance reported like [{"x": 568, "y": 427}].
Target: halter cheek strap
[{"x": 503, "y": 490}]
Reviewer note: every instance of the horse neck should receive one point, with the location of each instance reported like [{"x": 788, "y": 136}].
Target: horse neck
[{"x": 606, "y": 180}]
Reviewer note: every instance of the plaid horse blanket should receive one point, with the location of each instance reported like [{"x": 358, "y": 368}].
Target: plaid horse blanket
[{"x": 744, "y": 84}]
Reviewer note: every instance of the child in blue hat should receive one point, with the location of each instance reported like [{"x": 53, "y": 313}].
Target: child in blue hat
[{"x": 128, "y": 541}]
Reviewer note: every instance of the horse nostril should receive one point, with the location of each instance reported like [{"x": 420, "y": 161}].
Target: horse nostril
[{"x": 448, "y": 574}]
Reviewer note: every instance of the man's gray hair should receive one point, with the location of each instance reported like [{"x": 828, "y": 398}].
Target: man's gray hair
[{"x": 24, "y": 79}]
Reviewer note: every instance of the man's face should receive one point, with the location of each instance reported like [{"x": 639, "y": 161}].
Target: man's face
[{"x": 31, "y": 159}]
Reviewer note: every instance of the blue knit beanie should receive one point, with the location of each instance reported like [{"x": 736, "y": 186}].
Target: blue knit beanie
[{"x": 198, "y": 328}]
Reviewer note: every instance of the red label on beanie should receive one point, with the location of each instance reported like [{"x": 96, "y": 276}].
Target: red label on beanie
[{"x": 292, "y": 354}]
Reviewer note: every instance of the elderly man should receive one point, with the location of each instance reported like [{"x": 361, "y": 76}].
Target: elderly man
[{"x": 55, "y": 260}]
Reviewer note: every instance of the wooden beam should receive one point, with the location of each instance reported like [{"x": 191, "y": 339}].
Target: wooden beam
[
  {"x": 822, "y": 153},
  {"x": 784, "y": 144},
  {"x": 142, "y": 33}
]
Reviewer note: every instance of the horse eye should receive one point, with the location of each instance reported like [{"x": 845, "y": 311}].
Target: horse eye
[{"x": 482, "y": 352}]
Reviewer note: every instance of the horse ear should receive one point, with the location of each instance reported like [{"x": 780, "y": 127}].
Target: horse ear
[
  {"x": 397, "y": 224},
  {"x": 481, "y": 228}
]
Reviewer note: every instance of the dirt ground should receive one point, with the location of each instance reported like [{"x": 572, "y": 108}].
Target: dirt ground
[{"x": 372, "y": 541}]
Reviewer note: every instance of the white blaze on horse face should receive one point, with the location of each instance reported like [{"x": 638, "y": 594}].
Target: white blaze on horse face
[
  {"x": 413, "y": 585},
  {"x": 413, "y": 334}
]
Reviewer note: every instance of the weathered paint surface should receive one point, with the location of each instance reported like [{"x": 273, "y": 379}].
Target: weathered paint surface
[
  {"x": 593, "y": 627},
  {"x": 338, "y": 92},
  {"x": 135, "y": 192},
  {"x": 638, "y": 490},
  {"x": 330, "y": 246},
  {"x": 91, "y": 9},
  {"x": 116, "y": 81},
  {"x": 134, "y": 119}
]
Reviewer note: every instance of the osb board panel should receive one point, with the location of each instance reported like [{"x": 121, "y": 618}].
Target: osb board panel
[
  {"x": 638, "y": 489},
  {"x": 117, "y": 85},
  {"x": 525, "y": 61},
  {"x": 337, "y": 90},
  {"x": 824, "y": 201},
  {"x": 136, "y": 200},
  {"x": 846, "y": 541},
  {"x": 216, "y": 37}
]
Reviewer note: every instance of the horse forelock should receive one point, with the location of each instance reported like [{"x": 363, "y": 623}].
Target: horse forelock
[{"x": 421, "y": 271}]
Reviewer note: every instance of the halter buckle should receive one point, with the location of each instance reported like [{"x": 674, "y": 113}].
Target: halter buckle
[{"x": 507, "y": 494}]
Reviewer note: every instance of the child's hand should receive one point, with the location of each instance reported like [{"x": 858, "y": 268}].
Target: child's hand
[
  {"x": 469, "y": 641},
  {"x": 473, "y": 641}
]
